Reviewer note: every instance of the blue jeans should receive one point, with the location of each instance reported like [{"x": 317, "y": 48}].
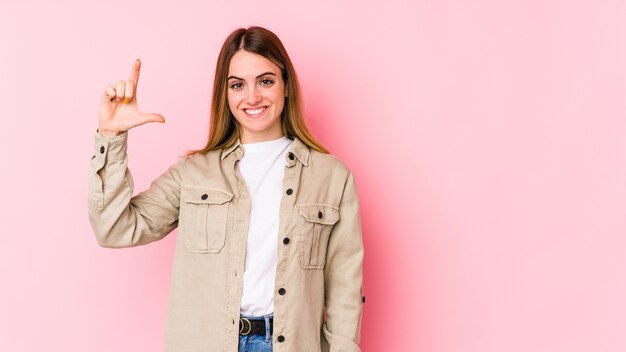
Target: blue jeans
[{"x": 257, "y": 343}]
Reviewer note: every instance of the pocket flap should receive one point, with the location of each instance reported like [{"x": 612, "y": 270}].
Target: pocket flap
[
  {"x": 205, "y": 195},
  {"x": 319, "y": 213}
]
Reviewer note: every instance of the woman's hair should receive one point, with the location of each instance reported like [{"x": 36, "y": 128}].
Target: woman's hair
[{"x": 224, "y": 128}]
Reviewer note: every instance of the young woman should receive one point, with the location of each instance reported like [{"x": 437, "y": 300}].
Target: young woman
[{"x": 269, "y": 252}]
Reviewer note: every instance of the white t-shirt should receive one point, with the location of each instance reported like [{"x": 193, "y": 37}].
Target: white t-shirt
[{"x": 262, "y": 168}]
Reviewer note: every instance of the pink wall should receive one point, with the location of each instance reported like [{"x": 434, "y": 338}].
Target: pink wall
[{"x": 488, "y": 139}]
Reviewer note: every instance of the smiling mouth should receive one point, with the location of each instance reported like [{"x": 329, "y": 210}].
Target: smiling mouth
[{"x": 255, "y": 112}]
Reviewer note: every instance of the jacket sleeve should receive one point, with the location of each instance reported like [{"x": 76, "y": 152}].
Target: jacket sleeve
[
  {"x": 118, "y": 219},
  {"x": 343, "y": 276}
]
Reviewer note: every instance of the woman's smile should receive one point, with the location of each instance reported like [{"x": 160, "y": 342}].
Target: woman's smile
[{"x": 255, "y": 113}]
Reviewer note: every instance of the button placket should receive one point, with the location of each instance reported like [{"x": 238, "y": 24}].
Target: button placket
[
  {"x": 238, "y": 246},
  {"x": 289, "y": 213}
]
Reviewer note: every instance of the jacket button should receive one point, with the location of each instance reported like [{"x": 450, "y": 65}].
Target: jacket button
[
  {"x": 286, "y": 240},
  {"x": 363, "y": 299},
  {"x": 101, "y": 149},
  {"x": 320, "y": 214},
  {"x": 204, "y": 196},
  {"x": 291, "y": 156},
  {"x": 280, "y": 338},
  {"x": 282, "y": 291},
  {"x": 289, "y": 191}
]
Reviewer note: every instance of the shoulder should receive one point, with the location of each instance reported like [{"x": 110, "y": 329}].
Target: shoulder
[
  {"x": 202, "y": 167},
  {"x": 331, "y": 178},
  {"x": 327, "y": 161},
  {"x": 202, "y": 159},
  {"x": 318, "y": 162},
  {"x": 329, "y": 170}
]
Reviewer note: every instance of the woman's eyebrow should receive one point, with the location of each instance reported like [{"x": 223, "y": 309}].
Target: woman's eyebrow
[{"x": 259, "y": 76}]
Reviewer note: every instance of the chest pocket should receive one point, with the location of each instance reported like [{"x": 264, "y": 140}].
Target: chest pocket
[
  {"x": 203, "y": 218},
  {"x": 316, "y": 223}
]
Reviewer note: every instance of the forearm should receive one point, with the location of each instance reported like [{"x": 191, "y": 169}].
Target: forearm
[{"x": 117, "y": 218}]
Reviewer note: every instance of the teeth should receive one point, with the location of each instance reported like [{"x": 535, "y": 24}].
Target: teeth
[{"x": 254, "y": 112}]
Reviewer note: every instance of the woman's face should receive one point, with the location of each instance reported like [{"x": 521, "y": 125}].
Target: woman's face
[{"x": 256, "y": 96}]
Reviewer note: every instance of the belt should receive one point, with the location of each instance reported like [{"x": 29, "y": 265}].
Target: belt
[{"x": 254, "y": 327}]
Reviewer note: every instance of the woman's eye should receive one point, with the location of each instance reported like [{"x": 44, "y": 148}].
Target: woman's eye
[
  {"x": 236, "y": 85},
  {"x": 267, "y": 82}
]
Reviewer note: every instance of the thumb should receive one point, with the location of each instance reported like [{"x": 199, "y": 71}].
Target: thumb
[{"x": 153, "y": 117}]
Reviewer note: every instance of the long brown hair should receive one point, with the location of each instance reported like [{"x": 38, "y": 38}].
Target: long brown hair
[{"x": 224, "y": 129}]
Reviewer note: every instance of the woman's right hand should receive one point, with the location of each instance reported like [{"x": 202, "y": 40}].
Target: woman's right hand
[{"x": 118, "y": 108}]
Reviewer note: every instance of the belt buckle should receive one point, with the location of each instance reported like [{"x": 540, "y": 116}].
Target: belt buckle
[{"x": 242, "y": 324}]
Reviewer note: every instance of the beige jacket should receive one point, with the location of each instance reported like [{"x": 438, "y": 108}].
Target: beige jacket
[{"x": 320, "y": 250}]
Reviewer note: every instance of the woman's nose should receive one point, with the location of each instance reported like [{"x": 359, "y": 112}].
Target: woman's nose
[{"x": 253, "y": 96}]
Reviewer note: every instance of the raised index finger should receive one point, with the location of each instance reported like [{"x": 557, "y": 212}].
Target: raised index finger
[{"x": 134, "y": 73}]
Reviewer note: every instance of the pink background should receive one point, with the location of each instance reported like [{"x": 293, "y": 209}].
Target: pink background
[{"x": 488, "y": 140}]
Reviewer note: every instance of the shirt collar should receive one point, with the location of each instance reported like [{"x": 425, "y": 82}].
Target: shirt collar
[
  {"x": 227, "y": 151},
  {"x": 298, "y": 148}
]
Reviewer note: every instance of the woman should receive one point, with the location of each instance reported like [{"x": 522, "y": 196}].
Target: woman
[{"x": 269, "y": 233}]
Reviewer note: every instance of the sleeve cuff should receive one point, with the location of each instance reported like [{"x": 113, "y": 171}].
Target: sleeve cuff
[
  {"x": 110, "y": 149},
  {"x": 338, "y": 342}
]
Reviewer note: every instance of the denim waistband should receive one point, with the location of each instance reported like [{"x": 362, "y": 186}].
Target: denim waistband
[{"x": 258, "y": 317}]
